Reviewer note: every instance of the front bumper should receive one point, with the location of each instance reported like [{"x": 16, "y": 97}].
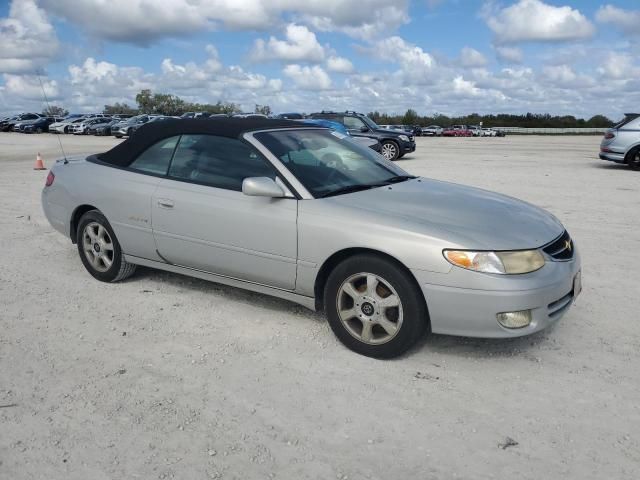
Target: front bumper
[
  {"x": 407, "y": 147},
  {"x": 466, "y": 303}
]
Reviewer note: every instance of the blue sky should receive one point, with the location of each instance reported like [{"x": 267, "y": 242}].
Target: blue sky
[{"x": 449, "y": 56}]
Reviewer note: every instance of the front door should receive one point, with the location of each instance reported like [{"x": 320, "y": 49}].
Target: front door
[{"x": 201, "y": 218}]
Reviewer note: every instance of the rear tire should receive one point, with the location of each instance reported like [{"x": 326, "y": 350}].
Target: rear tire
[
  {"x": 374, "y": 307},
  {"x": 100, "y": 250},
  {"x": 633, "y": 159}
]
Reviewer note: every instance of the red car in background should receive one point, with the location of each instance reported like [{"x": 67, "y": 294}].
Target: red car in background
[{"x": 457, "y": 131}]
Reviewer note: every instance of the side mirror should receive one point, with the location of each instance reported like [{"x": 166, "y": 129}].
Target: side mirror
[
  {"x": 364, "y": 129},
  {"x": 261, "y": 187}
]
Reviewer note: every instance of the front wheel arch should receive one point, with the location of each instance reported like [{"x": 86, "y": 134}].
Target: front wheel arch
[{"x": 340, "y": 256}]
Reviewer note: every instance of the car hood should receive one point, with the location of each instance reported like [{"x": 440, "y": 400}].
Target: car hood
[
  {"x": 469, "y": 217},
  {"x": 387, "y": 131}
]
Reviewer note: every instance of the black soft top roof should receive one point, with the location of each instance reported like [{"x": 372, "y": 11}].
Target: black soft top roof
[{"x": 126, "y": 152}]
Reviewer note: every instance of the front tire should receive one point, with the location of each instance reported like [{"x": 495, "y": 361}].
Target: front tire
[
  {"x": 100, "y": 250},
  {"x": 390, "y": 150},
  {"x": 374, "y": 307}
]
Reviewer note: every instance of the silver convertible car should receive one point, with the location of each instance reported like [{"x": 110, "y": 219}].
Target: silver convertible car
[{"x": 306, "y": 214}]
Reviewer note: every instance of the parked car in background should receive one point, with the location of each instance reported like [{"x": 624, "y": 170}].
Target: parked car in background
[
  {"x": 432, "y": 131},
  {"x": 39, "y": 126},
  {"x": 124, "y": 128},
  {"x": 372, "y": 143},
  {"x": 457, "y": 131},
  {"x": 5, "y": 121},
  {"x": 290, "y": 116},
  {"x": 299, "y": 213},
  {"x": 475, "y": 130},
  {"x": 64, "y": 125},
  {"x": 195, "y": 115},
  {"x": 10, "y": 124},
  {"x": 394, "y": 144},
  {"x": 19, "y": 126},
  {"x": 488, "y": 132},
  {"x": 621, "y": 144},
  {"x": 82, "y": 128},
  {"x": 102, "y": 128},
  {"x": 156, "y": 118},
  {"x": 249, "y": 115}
]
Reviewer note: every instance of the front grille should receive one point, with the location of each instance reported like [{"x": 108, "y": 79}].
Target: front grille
[{"x": 561, "y": 248}]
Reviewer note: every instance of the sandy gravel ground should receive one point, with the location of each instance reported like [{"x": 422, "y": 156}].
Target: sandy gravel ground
[{"x": 163, "y": 376}]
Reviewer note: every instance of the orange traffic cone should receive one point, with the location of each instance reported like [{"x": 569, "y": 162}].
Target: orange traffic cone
[{"x": 39, "y": 163}]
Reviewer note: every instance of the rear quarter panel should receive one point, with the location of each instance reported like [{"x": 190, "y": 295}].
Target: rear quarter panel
[{"x": 124, "y": 197}]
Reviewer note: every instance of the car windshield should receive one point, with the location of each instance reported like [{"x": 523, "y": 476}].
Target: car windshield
[
  {"x": 370, "y": 123},
  {"x": 328, "y": 163}
]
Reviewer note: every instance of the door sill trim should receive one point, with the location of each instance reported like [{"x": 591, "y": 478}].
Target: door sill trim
[{"x": 308, "y": 302}]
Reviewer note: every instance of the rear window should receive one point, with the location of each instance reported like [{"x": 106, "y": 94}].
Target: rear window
[{"x": 629, "y": 117}]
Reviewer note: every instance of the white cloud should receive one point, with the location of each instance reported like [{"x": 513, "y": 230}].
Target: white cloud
[
  {"x": 29, "y": 87},
  {"x": 628, "y": 21},
  {"x": 366, "y": 19},
  {"x": 563, "y": 76},
  {"x": 141, "y": 21},
  {"x": 619, "y": 66},
  {"x": 28, "y": 41},
  {"x": 509, "y": 54},
  {"x": 308, "y": 78},
  {"x": 472, "y": 58},
  {"x": 339, "y": 65},
  {"x": 417, "y": 67},
  {"x": 536, "y": 21},
  {"x": 301, "y": 45},
  {"x": 464, "y": 87},
  {"x": 134, "y": 21}
]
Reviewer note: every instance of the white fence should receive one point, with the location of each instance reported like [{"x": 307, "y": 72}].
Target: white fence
[{"x": 551, "y": 131}]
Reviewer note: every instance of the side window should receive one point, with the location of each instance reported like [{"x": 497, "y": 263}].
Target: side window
[
  {"x": 156, "y": 158},
  {"x": 353, "y": 123},
  {"x": 218, "y": 162}
]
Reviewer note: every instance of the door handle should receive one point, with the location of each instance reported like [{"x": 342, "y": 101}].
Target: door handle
[{"x": 165, "y": 203}]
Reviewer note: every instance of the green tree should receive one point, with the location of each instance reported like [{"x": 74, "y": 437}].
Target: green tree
[
  {"x": 119, "y": 108},
  {"x": 263, "y": 109},
  {"x": 55, "y": 111},
  {"x": 410, "y": 117},
  {"x": 144, "y": 99}
]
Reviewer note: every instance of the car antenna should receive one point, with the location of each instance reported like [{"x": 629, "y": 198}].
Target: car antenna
[{"x": 46, "y": 100}]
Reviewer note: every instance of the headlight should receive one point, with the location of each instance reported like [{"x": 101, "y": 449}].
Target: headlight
[
  {"x": 520, "y": 261},
  {"x": 404, "y": 138}
]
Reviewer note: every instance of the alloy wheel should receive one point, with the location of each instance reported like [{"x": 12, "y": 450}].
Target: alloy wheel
[
  {"x": 98, "y": 246},
  {"x": 634, "y": 162},
  {"x": 389, "y": 151},
  {"x": 369, "y": 308}
]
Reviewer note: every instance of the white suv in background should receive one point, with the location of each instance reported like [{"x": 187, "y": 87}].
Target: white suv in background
[{"x": 621, "y": 144}]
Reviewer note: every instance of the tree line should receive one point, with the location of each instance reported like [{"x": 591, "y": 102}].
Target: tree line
[
  {"x": 528, "y": 120},
  {"x": 167, "y": 104}
]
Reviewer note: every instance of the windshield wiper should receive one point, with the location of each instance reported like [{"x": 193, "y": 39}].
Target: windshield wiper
[
  {"x": 350, "y": 189},
  {"x": 400, "y": 178},
  {"x": 367, "y": 186}
]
